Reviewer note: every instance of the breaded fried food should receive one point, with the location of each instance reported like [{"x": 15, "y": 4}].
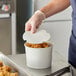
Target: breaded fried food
[
  {"x": 0, "y": 68},
  {"x": 36, "y": 45},
  {"x": 44, "y": 45},
  {"x": 6, "y": 68},
  {"x": 14, "y": 74},
  {"x": 1, "y": 63},
  {"x": 1, "y": 73},
  {"x": 41, "y": 45},
  {"x": 6, "y": 73}
]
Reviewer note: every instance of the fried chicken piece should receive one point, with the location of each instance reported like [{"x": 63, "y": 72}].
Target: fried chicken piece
[
  {"x": 1, "y": 73},
  {"x": 1, "y": 63},
  {"x": 6, "y": 68},
  {"x": 36, "y": 46},
  {"x": 14, "y": 74},
  {"x": 41, "y": 45},
  {"x": 0, "y": 68},
  {"x": 45, "y": 45},
  {"x": 28, "y": 44},
  {"x": 6, "y": 73}
]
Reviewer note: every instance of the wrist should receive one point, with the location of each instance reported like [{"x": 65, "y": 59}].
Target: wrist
[{"x": 41, "y": 14}]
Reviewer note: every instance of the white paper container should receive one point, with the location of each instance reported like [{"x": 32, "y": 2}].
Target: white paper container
[
  {"x": 38, "y": 58},
  {"x": 13, "y": 65}
]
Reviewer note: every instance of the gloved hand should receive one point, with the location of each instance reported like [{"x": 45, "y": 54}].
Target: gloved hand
[{"x": 35, "y": 21}]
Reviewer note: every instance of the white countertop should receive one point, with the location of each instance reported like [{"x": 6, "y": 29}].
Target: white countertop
[{"x": 57, "y": 63}]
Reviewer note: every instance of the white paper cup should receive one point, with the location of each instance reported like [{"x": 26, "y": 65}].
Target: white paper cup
[{"x": 38, "y": 58}]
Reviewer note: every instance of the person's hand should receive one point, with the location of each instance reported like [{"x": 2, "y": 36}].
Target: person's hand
[{"x": 35, "y": 21}]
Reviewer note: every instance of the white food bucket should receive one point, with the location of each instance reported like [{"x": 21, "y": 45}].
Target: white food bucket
[{"x": 38, "y": 58}]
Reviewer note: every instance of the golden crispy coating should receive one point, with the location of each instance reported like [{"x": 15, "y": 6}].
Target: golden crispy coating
[
  {"x": 1, "y": 73},
  {"x": 1, "y": 63},
  {"x": 45, "y": 45},
  {"x": 36, "y": 45},
  {"x": 42, "y": 45},
  {"x": 28, "y": 44},
  {"x": 6, "y": 73},
  {"x": 0, "y": 68},
  {"x": 14, "y": 74},
  {"x": 6, "y": 68}
]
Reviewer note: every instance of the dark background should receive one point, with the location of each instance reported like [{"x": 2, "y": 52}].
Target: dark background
[{"x": 23, "y": 12}]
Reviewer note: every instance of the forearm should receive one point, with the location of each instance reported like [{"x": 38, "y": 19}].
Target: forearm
[{"x": 54, "y": 7}]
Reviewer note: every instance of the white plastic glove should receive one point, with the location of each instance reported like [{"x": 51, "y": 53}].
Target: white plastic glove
[{"x": 35, "y": 21}]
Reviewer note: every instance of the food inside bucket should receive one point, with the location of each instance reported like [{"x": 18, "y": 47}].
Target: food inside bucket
[{"x": 41, "y": 45}]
